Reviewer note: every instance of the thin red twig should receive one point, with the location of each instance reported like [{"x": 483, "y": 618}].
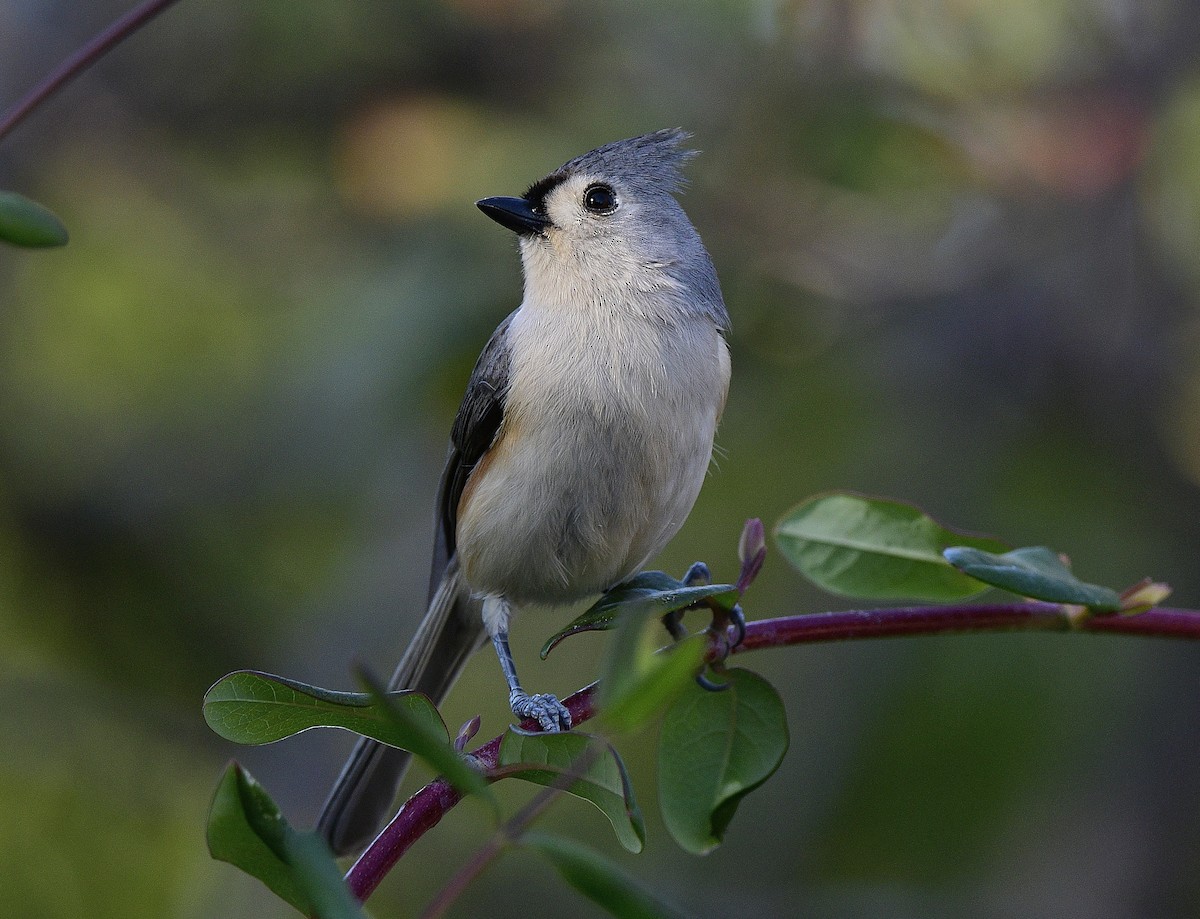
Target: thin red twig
[
  {"x": 426, "y": 808},
  {"x": 81, "y": 60},
  {"x": 930, "y": 620},
  {"x": 508, "y": 833}
]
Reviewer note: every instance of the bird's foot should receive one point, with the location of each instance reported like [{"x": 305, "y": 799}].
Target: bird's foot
[
  {"x": 544, "y": 708},
  {"x": 673, "y": 623},
  {"x": 698, "y": 574},
  {"x": 738, "y": 619}
]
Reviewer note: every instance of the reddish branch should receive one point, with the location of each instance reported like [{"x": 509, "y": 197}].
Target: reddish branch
[
  {"x": 426, "y": 808},
  {"x": 82, "y": 59},
  {"x": 993, "y": 617}
]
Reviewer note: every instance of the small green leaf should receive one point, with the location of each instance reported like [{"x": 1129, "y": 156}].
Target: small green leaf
[
  {"x": 246, "y": 829},
  {"x": 595, "y": 774},
  {"x": 1143, "y": 596},
  {"x": 26, "y": 223},
  {"x": 249, "y": 707},
  {"x": 601, "y": 880},
  {"x": 425, "y": 741},
  {"x": 318, "y": 875},
  {"x": 1035, "y": 572},
  {"x": 715, "y": 748},
  {"x": 239, "y": 810},
  {"x": 640, "y": 680},
  {"x": 875, "y": 548},
  {"x": 645, "y": 594}
]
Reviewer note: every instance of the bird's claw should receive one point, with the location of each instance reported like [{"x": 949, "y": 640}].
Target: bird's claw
[
  {"x": 738, "y": 618},
  {"x": 543, "y": 708},
  {"x": 697, "y": 575},
  {"x": 721, "y": 646},
  {"x": 708, "y": 685},
  {"x": 674, "y": 626}
]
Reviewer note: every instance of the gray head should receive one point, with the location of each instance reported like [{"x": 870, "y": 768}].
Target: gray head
[
  {"x": 607, "y": 223},
  {"x": 647, "y": 165}
]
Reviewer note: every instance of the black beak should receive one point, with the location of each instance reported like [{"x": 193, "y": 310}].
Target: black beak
[{"x": 515, "y": 213}]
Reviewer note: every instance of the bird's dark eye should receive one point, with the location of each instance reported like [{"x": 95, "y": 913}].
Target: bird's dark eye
[{"x": 600, "y": 199}]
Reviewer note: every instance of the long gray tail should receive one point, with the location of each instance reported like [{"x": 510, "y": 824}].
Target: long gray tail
[{"x": 450, "y": 633}]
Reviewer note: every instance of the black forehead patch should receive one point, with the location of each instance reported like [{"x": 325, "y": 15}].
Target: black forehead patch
[{"x": 537, "y": 192}]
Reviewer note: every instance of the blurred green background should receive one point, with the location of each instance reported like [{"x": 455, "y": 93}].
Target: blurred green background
[{"x": 958, "y": 241}]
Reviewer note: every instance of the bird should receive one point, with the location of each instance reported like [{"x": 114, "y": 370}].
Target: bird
[{"x": 584, "y": 436}]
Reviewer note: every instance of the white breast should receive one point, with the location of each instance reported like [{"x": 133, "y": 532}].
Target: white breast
[{"x": 607, "y": 437}]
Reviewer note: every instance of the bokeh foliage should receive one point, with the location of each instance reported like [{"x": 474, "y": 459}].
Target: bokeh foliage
[{"x": 958, "y": 245}]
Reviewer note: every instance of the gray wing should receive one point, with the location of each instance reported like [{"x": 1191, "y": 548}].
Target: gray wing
[
  {"x": 475, "y": 426},
  {"x": 452, "y": 628}
]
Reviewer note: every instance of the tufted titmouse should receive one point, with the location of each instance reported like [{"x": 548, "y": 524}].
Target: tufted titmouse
[{"x": 584, "y": 435}]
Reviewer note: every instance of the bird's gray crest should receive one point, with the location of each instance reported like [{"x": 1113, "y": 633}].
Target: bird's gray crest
[{"x": 649, "y": 161}]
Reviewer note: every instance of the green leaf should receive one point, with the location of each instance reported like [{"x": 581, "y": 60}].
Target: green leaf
[
  {"x": 594, "y": 773},
  {"x": 425, "y": 740},
  {"x": 875, "y": 548},
  {"x": 601, "y": 880},
  {"x": 1143, "y": 596},
  {"x": 645, "y": 594},
  {"x": 249, "y": 707},
  {"x": 240, "y": 809},
  {"x": 1035, "y": 572},
  {"x": 640, "y": 680},
  {"x": 715, "y": 748},
  {"x": 29, "y": 224},
  {"x": 246, "y": 829},
  {"x": 319, "y": 876}
]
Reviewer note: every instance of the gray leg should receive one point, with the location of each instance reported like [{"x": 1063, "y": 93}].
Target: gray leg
[{"x": 551, "y": 714}]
